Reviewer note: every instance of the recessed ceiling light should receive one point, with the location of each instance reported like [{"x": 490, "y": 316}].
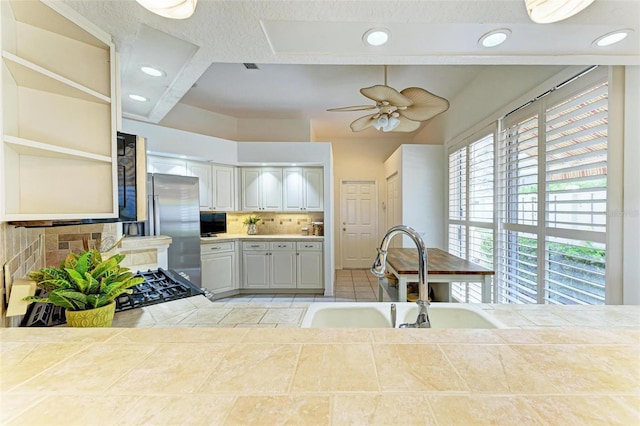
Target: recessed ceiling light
[
  {"x": 611, "y": 38},
  {"x": 137, "y": 98},
  {"x": 494, "y": 38},
  {"x": 153, "y": 72},
  {"x": 376, "y": 36}
]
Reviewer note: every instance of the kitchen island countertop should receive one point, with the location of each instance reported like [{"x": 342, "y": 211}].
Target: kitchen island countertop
[{"x": 579, "y": 374}]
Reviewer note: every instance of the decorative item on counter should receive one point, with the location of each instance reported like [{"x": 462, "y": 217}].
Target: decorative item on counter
[
  {"x": 251, "y": 221},
  {"x": 304, "y": 231},
  {"x": 86, "y": 286}
]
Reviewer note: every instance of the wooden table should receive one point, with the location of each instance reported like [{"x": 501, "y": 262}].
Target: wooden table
[{"x": 441, "y": 267}]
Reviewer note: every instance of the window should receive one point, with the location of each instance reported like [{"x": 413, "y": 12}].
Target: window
[
  {"x": 539, "y": 220},
  {"x": 552, "y": 198},
  {"x": 471, "y": 208}
]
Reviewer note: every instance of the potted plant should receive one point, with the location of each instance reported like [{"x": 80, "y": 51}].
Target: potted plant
[
  {"x": 86, "y": 286},
  {"x": 251, "y": 221}
]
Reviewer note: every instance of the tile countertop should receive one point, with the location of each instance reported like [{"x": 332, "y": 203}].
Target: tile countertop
[
  {"x": 228, "y": 237},
  {"x": 548, "y": 375}
]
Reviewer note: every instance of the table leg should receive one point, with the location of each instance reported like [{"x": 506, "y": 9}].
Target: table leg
[
  {"x": 380, "y": 290},
  {"x": 402, "y": 288},
  {"x": 486, "y": 289}
]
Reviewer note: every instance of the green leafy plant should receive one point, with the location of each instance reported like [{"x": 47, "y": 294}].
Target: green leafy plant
[
  {"x": 84, "y": 281},
  {"x": 252, "y": 219}
]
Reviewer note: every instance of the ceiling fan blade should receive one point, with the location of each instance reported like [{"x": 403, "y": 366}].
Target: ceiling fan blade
[
  {"x": 353, "y": 108},
  {"x": 363, "y": 123},
  {"x": 381, "y": 93},
  {"x": 426, "y": 105},
  {"x": 407, "y": 125}
]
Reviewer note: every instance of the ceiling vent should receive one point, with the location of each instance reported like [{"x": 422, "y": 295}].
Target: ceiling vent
[{"x": 250, "y": 66}]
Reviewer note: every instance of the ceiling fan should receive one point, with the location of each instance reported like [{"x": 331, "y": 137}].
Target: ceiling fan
[{"x": 402, "y": 111}]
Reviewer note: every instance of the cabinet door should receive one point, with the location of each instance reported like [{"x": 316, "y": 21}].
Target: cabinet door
[
  {"x": 219, "y": 272},
  {"x": 312, "y": 179},
  {"x": 292, "y": 197},
  {"x": 255, "y": 269},
  {"x": 203, "y": 172},
  {"x": 251, "y": 189},
  {"x": 224, "y": 188},
  {"x": 283, "y": 269},
  {"x": 271, "y": 182},
  {"x": 168, "y": 166},
  {"x": 309, "y": 269}
]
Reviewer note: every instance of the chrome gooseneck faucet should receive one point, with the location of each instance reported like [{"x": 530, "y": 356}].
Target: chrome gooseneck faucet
[{"x": 380, "y": 264}]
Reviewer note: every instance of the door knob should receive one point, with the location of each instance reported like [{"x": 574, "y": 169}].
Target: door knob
[{"x": 344, "y": 229}]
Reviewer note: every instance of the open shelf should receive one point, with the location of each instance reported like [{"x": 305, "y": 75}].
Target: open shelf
[
  {"x": 30, "y": 75},
  {"x": 29, "y": 147}
]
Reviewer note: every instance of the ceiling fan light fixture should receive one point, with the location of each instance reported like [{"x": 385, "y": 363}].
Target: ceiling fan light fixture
[
  {"x": 611, "y": 38},
  {"x": 152, "y": 71},
  {"x": 376, "y": 36},
  {"x": 494, "y": 38},
  {"x": 548, "y": 11},
  {"x": 173, "y": 9}
]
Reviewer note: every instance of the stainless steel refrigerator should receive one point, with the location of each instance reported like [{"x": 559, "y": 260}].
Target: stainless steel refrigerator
[{"x": 174, "y": 210}]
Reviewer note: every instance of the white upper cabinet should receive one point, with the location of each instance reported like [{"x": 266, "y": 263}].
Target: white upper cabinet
[
  {"x": 224, "y": 188},
  {"x": 203, "y": 172},
  {"x": 262, "y": 188},
  {"x": 303, "y": 189},
  {"x": 217, "y": 183},
  {"x": 58, "y": 115},
  {"x": 167, "y": 165}
]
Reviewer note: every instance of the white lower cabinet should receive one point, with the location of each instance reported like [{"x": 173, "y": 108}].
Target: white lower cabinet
[
  {"x": 219, "y": 267},
  {"x": 282, "y": 265},
  {"x": 309, "y": 265}
]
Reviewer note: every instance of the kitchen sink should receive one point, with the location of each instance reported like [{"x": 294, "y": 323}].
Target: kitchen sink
[{"x": 378, "y": 315}]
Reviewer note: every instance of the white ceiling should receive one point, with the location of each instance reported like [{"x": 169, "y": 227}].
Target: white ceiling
[{"x": 311, "y": 56}]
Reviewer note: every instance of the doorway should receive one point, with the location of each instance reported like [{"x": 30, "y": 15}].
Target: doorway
[{"x": 358, "y": 222}]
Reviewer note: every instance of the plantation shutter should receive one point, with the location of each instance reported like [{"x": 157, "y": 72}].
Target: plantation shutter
[
  {"x": 457, "y": 202},
  {"x": 576, "y": 196},
  {"x": 518, "y": 209}
]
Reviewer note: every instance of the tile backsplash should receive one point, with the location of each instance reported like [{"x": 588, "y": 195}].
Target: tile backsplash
[{"x": 274, "y": 223}]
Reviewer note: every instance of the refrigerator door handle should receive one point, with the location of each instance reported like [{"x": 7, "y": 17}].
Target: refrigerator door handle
[
  {"x": 156, "y": 215},
  {"x": 150, "y": 216}
]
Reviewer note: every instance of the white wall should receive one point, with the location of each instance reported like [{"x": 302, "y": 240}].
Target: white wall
[
  {"x": 167, "y": 141},
  {"x": 255, "y": 129},
  {"x": 421, "y": 173},
  {"x": 631, "y": 210}
]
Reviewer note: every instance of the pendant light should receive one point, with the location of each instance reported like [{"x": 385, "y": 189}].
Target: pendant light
[{"x": 174, "y": 9}]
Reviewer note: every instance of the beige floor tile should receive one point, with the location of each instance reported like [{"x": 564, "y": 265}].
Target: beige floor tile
[
  {"x": 12, "y": 405},
  {"x": 381, "y": 409},
  {"x": 254, "y": 368},
  {"x": 244, "y": 316},
  {"x": 280, "y": 410},
  {"x": 586, "y": 409},
  {"x": 100, "y": 365},
  {"x": 493, "y": 410},
  {"x": 416, "y": 367},
  {"x": 167, "y": 369},
  {"x": 496, "y": 369},
  {"x": 335, "y": 368},
  {"x": 206, "y": 316},
  {"x": 282, "y": 315},
  {"x": 62, "y": 409},
  {"x": 192, "y": 409},
  {"x": 591, "y": 367}
]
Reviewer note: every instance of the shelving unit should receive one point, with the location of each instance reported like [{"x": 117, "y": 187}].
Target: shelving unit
[{"x": 59, "y": 115}]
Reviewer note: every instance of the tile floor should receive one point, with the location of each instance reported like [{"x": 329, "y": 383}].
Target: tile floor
[{"x": 287, "y": 310}]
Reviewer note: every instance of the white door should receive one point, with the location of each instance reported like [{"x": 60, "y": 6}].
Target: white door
[
  {"x": 393, "y": 213},
  {"x": 358, "y": 223}
]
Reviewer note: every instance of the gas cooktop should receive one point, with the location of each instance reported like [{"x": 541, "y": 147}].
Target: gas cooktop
[{"x": 159, "y": 286}]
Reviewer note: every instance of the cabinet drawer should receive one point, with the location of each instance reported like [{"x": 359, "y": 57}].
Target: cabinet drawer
[
  {"x": 309, "y": 246},
  {"x": 283, "y": 245},
  {"x": 255, "y": 245},
  {"x": 217, "y": 248}
]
